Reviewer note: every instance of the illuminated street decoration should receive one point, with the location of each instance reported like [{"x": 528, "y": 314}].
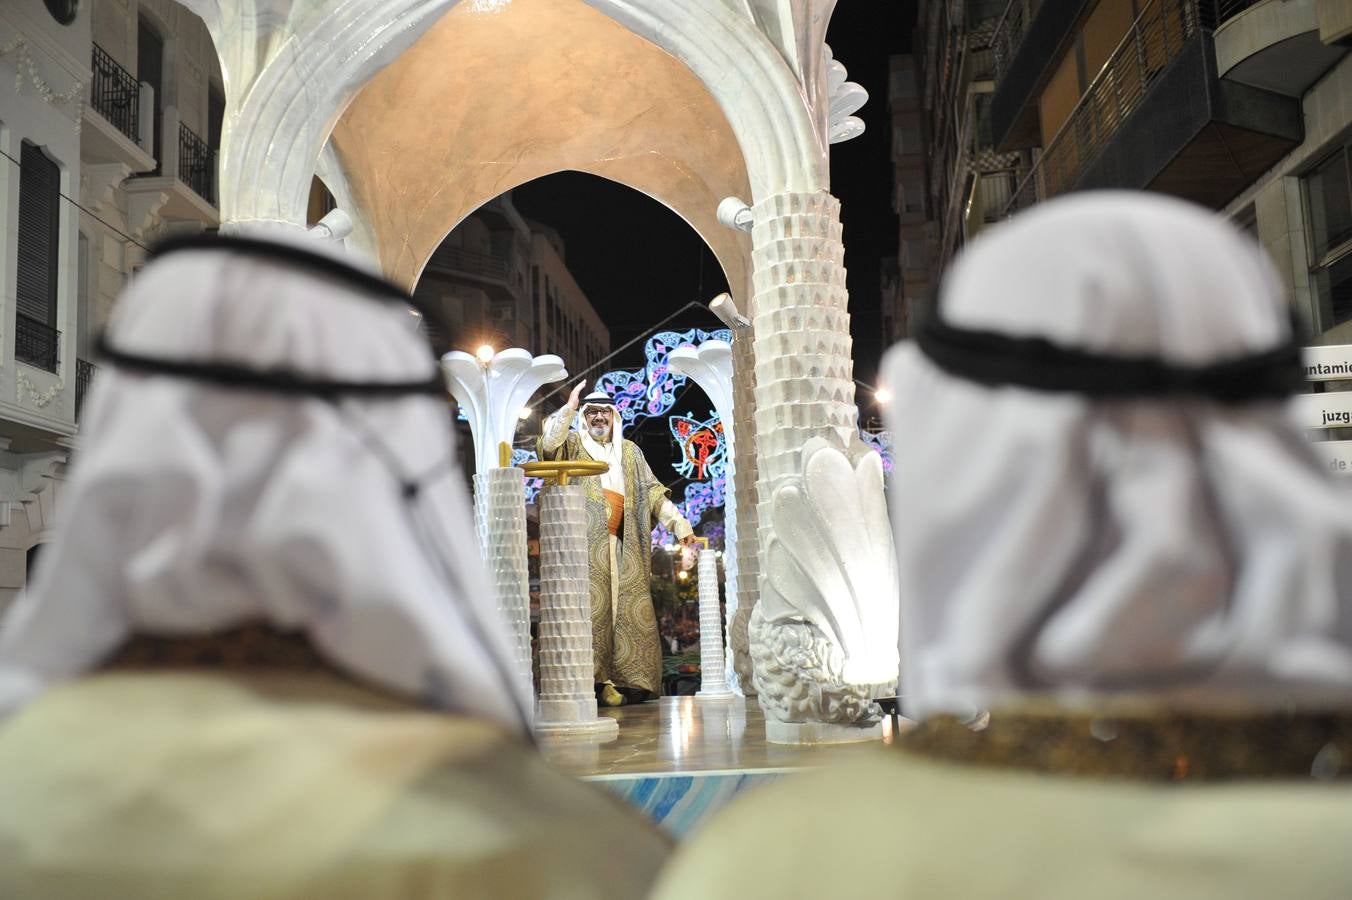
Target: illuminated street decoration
[
  {"x": 882, "y": 442},
  {"x": 700, "y": 497},
  {"x": 704, "y": 452},
  {"x": 651, "y": 391},
  {"x": 533, "y": 485}
]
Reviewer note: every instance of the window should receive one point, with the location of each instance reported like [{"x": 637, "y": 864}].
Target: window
[
  {"x": 215, "y": 118},
  {"x": 150, "y": 70},
  {"x": 35, "y": 335},
  {"x": 64, "y": 11},
  {"x": 1328, "y": 202},
  {"x": 85, "y": 326},
  {"x": 1329, "y": 195},
  {"x": 913, "y": 253}
]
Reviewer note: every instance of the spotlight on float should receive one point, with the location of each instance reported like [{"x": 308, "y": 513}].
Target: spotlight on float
[
  {"x": 734, "y": 213},
  {"x": 485, "y": 354},
  {"x": 333, "y": 227},
  {"x": 524, "y": 414},
  {"x": 726, "y": 310},
  {"x": 883, "y": 395}
]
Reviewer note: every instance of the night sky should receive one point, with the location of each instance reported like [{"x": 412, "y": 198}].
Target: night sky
[{"x": 638, "y": 262}]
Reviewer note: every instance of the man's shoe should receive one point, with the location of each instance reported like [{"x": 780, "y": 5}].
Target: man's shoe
[{"x": 610, "y": 696}]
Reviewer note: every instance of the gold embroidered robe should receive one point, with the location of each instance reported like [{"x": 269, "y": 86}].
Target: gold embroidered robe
[{"x": 625, "y": 644}]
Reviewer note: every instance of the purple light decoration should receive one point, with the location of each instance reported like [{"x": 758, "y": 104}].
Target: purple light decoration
[
  {"x": 882, "y": 442},
  {"x": 533, "y": 485}
]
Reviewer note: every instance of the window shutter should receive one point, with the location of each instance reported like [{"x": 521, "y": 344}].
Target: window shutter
[{"x": 39, "y": 235}]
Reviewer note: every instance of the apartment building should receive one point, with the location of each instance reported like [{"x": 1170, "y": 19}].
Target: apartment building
[
  {"x": 501, "y": 280},
  {"x": 108, "y": 144},
  {"x": 1241, "y": 105},
  {"x": 565, "y": 321},
  {"x": 950, "y": 179}
]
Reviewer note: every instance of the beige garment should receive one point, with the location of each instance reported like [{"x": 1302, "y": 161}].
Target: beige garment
[
  {"x": 209, "y": 786},
  {"x": 898, "y": 825},
  {"x": 625, "y": 647}
]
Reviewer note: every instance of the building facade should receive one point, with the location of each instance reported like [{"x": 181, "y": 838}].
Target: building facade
[
  {"x": 950, "y": 179},
  {"x": 501, "y": 280},
  {"x": 108, "y": 144},
  {"x": 1233, "y": 104}
]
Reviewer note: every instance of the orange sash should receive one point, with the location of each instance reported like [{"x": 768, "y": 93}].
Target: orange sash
[{"x": 615, "y": 518}]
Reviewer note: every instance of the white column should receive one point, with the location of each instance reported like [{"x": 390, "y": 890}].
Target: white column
[
  {"x": 500, "y": 522},
  {"x": 492, "y": 389},
  {"x": 711, "y": 367},
  {"x": 829, "y": 584},
  {"x": 713, "y": 683},
  {"x": 567, "y": 703}
]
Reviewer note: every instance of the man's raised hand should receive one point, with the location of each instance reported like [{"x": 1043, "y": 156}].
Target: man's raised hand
[{"x": 577, "y": 390}]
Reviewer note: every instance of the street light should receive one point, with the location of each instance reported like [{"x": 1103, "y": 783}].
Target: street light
[{"x": 882, "y": 395}]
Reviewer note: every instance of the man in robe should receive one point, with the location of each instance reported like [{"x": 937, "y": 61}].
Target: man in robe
[
  {"x": 1125, "y": 608},
  {"x": 623, "y": 506},
  {"x": 260, "y": 658}
]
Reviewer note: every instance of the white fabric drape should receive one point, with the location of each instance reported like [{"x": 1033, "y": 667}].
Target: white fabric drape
[
  {"x": 192, "y": 508},
  {"x": 1051, "y": 544}
]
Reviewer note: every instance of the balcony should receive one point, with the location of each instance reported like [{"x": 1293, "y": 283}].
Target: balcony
[
  {"x": 116, "y": 134},
  {"x": 36, "y": 343},
  {"x": 483, "y": 266},
  {"x": 189, "y": 194},
  {"x": 1276, "y": 46},
  {"x": 1158, "y": 117},
  {"x": 196, "y": 164},
  {"x": 1032, "y": 37}
]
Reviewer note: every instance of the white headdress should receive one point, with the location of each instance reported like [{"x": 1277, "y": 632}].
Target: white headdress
[
  {"x": 611, "y": 452},
  {"x": 1101, "y": 492},
  {"x": 266, "y": 448}
]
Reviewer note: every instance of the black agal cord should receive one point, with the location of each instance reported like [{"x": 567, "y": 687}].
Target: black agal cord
[
  {"x": 282, "y": 380},
  {"x": 1035, "y": 363}
]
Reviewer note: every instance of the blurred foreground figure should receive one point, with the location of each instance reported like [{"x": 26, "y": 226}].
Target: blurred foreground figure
[
  {"x": 259, "y": 661},
  {"x": 1127, "y": 594}
]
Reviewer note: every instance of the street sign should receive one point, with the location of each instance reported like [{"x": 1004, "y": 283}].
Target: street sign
[
  {"x": 1336, "y": 456},
  {"x": 1332, "y": 409},
  {"x": 1332, "y": 363}
]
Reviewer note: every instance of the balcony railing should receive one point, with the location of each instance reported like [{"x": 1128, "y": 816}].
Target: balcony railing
[
  {"x": 470, "y": 262},
  {"x": 196, "y": 164},
  {"x": 84, "y": 372},
  {"x": 36, "y": 342},
  {"x": 1217, "y": 12},
  {"x": 115, "y": 94},
  {"x": 1009, "y": 31},
  {"x": 1153, "y": 41}
]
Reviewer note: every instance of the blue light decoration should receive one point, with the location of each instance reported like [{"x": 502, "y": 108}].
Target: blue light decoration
[
  {"x": 882, "y": 442},
  {"x": 700, "y": 497},
  {"x": 651, "y": 391},
  {"x": 520, "y": 456}
]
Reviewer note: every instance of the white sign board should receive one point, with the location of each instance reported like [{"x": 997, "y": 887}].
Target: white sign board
[
  {"x": 1336, "y": 456},
  {"x": 1332, "y": 409},
  {"x": 1333, "y": 363}
]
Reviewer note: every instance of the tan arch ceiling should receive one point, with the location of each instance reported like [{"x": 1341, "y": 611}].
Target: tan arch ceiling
[{"x": 499, "y": 93}]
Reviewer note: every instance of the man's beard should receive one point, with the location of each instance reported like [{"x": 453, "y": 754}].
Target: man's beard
[{"x": 599, "y": 433}]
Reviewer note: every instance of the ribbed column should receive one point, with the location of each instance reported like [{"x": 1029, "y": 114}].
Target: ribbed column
[
  {"x": 500, "y": 521},
  {"x": 743, "y": 537},
  {"x": 804, "y": 373},
  {"x": 713, "y": 683},
  {"x": 567, "y": 701}
]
